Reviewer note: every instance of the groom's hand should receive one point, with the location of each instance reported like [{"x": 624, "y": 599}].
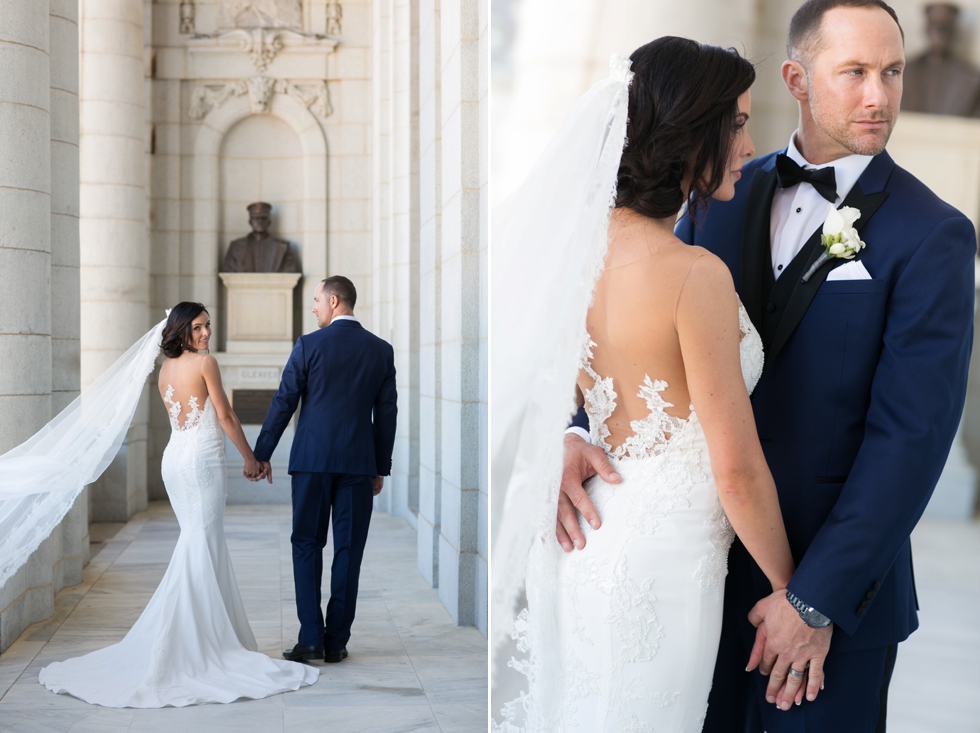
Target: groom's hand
[
  {"x": 378, "y": 483},
  {"x": 266, "y": 472},
  {"x": 582, "y": 462},
  {"x": 783, "y": 642}
]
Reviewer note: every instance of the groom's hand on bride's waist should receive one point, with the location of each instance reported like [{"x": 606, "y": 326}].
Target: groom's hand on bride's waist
[
  {"x": 783, "y": 643},
  {"x": 582, "y": 462}
]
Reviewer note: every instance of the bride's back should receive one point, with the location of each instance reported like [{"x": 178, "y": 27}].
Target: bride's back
[
  {"x": 182, "y": 383},
  {"x": 632, "y": 321}
]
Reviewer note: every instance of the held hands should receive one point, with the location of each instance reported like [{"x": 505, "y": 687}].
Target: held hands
[
  {"x": 582, "y": 461},
  {"x": 783, "y": 642},
  {"x": 256, "y": 470}
]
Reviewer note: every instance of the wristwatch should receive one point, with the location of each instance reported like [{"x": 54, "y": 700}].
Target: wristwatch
[{"x": 811, "y": 616}]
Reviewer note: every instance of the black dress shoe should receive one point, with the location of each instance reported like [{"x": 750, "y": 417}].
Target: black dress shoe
[
  {"x": 334, "y": 657},
  {"x": 303, "y": 653}
]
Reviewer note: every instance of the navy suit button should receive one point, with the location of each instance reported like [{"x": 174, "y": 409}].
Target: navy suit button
[
  {"x": 876, "y": 585},
  {"x": 870, "y": 595},
  {"x": 770, "y": 307},
  {"x": 865, "y": 604},
  {"x": 861, "y": 611}
]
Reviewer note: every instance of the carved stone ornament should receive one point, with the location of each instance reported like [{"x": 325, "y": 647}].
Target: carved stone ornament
[
  {"x": 335, "y": 14},
  {"x": 260, "y": 89},
  {"x": 260, "y": 14},
  {"x": 187, "y": 17},
  {"x": 262, "y": 45}
]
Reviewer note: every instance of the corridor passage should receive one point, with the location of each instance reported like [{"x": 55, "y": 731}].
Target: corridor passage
[{"x": 410, "y": 668}]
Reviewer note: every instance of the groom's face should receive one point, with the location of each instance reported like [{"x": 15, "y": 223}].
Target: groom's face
[{"x": 854, "y": 78}]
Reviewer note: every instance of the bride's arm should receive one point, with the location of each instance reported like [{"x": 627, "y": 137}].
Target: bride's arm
[
  {"x": 226, "y": 416},
  {"x": 707, "y": 326}
]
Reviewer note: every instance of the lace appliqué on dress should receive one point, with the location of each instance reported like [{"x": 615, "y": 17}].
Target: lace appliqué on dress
[
  {"x": 194, "y": 414},
  {"x": 713, "y": 568},
  {"x": 650, "y": 434}
]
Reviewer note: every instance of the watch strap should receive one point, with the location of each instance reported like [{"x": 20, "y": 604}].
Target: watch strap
[{"x": 810, "y": 616}]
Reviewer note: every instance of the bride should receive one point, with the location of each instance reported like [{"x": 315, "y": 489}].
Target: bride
[
  {"x": 622, "y": 634},
  {"x": 193, "y": 643}
]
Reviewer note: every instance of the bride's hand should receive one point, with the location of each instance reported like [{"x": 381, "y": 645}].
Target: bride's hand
[{"x": 253, "y": 469}]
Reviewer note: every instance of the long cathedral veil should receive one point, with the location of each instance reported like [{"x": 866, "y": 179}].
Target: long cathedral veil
[
  {"x": 41, "y": 478},
  {"x": 549, "y": 244}
]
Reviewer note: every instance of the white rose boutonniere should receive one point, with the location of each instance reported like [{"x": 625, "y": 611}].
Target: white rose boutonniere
[{"x": 840, "y": 239}]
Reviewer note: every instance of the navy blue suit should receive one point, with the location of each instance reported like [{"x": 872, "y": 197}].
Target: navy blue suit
[
  {"x": 861, "y": 395},
  {"x": 345, "y": 377}
]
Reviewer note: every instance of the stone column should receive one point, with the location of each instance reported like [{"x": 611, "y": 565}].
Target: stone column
[
  {"x": 113, "y": 229},
  {"x": 480, "y": 452},
  {"x": 70, "y": 551},
  {"x": 430, "y": 290},
  {"x": 404, "y": 252},
  {"x": 461, "y": 308},
  {"x": 38, "y": 129},
  {"x": 395, "y": 254},
  {"x": 25, "y": 210}
]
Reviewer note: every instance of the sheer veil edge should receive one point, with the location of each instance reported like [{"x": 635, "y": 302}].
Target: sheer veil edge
[
  {"x": 549, "y": 245},
  {"x": 41, "y": 478}
]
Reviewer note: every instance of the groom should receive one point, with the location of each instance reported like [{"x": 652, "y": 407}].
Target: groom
[
  {"x": 864, "y": 385},
  {"x": 345, "y": 376}
]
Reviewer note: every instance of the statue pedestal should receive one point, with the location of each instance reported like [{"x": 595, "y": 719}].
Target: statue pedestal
[
  {"x": 259, "y": 340},
  {"x": 260, "y": 311}
]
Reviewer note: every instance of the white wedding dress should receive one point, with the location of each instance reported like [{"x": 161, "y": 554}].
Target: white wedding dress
[
  {"x": 193, "y": 643},
  {"x": 621, "y": 636}
]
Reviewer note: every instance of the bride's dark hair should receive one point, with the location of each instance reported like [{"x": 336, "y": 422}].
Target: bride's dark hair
[
  {"x": 683, "y": 109},
  {"x": 177, "y": 333}
]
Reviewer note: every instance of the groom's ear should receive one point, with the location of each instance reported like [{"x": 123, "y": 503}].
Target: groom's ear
[{"x": 794, "y": 76}]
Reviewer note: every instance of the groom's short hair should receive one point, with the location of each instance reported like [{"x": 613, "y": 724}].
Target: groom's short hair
[
  {"x": 341, "y": 287},
  {"x": 804, "y": 28}
]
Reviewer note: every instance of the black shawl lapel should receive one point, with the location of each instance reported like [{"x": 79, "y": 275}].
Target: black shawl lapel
[
  {"x": 804, "y": 292},
  {"x": 756, "y": 252}
]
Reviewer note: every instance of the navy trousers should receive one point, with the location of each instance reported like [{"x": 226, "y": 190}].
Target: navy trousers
[
  {"x": 855, "y": 698},
  {"x": 349, "y": 499}
]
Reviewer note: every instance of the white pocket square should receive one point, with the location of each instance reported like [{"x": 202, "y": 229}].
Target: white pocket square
[{"x": 853, "y": 270}]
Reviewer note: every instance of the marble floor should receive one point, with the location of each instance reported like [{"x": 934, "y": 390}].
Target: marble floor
[
  {"x": 410, "y": 668},
  {"x": 936, "y": 685}
]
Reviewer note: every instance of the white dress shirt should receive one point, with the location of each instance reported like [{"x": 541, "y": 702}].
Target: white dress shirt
[
  {"x": 798, "y": 211},
  {"x": 343, "y": 318}
]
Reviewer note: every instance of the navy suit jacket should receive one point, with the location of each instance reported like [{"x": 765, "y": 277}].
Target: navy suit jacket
[
  {"x": 345, "y": 376},
  {"x": 863, "y": 387}
]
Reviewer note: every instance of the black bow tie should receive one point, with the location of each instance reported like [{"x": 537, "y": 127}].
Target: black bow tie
[{"x": 789, "y": 173}]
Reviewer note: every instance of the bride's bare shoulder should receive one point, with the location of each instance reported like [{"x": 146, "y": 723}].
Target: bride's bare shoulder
[
  {"x": 686, "y": 262},
  {"x": 707, "y": 287}
]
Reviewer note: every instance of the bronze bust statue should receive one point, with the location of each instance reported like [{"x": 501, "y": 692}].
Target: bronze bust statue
[
  {"x": 260, "y": 251},
  {"x": 937, "y": 82}
]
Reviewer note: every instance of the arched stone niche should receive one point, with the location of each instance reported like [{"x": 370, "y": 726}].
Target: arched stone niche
[
  {"x": 208, "y": 225},
  {"x": 261, "y": 160}
]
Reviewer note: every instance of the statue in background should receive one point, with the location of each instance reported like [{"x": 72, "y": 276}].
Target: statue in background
[
  {"x": 937, "y": 82},
  {"x": 260, "y": 251}
]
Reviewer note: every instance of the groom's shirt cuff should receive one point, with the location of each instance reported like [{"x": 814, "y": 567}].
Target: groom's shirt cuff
[{"x": 580, "y": 432}]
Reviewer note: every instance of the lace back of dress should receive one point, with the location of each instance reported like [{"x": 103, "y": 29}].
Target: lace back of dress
[
  {"x": 193, "y": 416},
  {"x": 651, "y": 434}
]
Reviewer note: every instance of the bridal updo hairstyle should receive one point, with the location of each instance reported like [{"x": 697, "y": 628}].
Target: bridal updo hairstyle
[
  {"x": 683, "y": 109},
  {"x": 177, "y": 332}
]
